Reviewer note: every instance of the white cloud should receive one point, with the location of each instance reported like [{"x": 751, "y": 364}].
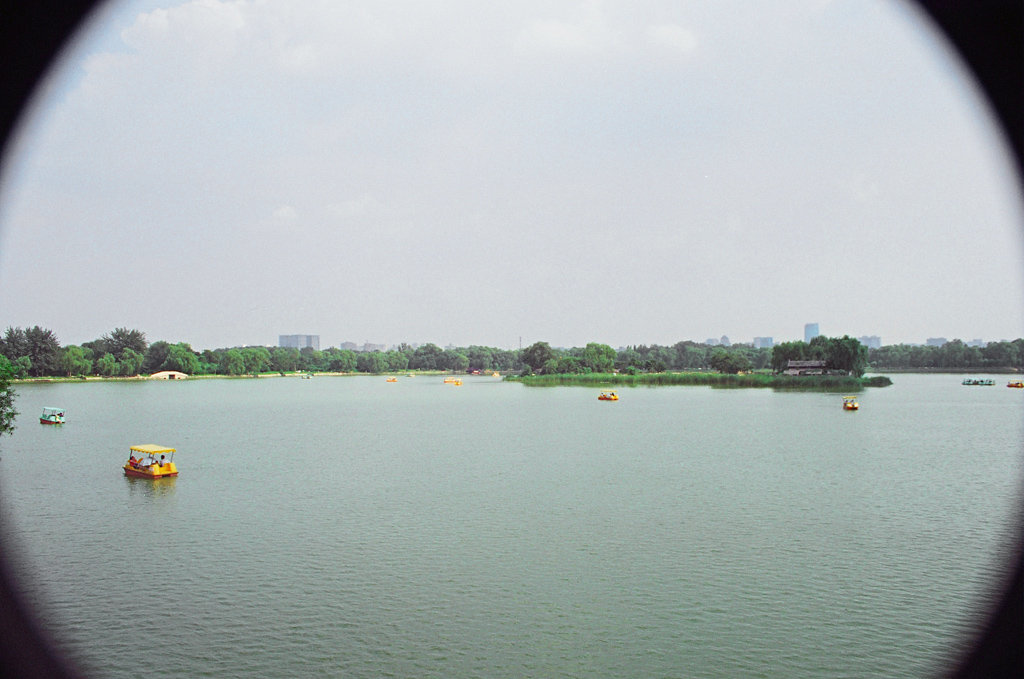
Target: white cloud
[{"x": 587, "y": 33}]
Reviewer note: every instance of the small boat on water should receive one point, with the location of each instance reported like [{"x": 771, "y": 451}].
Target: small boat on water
[
  {"x": 146, "y": 465},
  {"x": 52, "y": 416},
  {"x": 850, "y": 403},
  {"x": 1015, "y": 384},
  {"x": 391, "y": 379},
  {"x": 457, "y": 381},
  {"x": 608, "y": 396},
  {"x": 976, "y": 382},
  {"x": 495, "y": 374}
]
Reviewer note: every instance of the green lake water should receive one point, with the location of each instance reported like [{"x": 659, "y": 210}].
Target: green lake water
[{"x": 351, "y": 527}]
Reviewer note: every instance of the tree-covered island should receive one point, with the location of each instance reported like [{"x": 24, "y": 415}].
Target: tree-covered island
[{"x": 824, "y": 363}]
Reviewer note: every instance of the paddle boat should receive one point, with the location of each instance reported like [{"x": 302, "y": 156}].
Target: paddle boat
[
  {"x": 150, "y": 462},
  {"x": 608, "y": 396},
  {"x": 391, "y": 379},
  {"x": 456, "y": 381},
  {"x": 850, "y": 403},
  {"x": 1015, "y": 384},
  {"x": 975, "y": 382},
  {"x": 52, "y": 416}
]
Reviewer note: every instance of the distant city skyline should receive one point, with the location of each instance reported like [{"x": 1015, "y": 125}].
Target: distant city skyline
[{"x": 314, "y": 341}]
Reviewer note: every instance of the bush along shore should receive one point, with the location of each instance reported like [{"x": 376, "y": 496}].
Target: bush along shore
[{"x": 707, "y": 379}]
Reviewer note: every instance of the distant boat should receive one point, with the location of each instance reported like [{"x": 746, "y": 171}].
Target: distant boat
[
  {"x": 391, "y": 379},
  {"x": 975, "y": 382},
  {"x": 52, "y": 416},
  {"x": 850, "y": 403},
  {"x": 608, "y": 396},
  {"x": 1015, "y": 384}
]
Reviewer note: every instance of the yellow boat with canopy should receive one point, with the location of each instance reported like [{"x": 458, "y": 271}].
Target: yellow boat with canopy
[{"x": 151, "y": 462}]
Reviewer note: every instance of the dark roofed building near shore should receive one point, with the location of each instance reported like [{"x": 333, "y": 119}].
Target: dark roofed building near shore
[{"x": 804, "y": 368}]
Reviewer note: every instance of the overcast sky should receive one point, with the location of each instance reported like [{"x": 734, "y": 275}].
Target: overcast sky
[{"x": 465, "y": 172}]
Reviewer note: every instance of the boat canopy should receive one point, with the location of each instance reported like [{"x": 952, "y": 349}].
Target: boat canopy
[
  {"x": 152, "y": 449},
  {"x": 49, "y": 409}
]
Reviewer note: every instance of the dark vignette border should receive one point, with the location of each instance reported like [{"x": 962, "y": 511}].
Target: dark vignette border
[{"x": 988, "y": 34}]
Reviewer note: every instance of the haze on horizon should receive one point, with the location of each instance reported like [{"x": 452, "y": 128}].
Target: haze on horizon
[{"x": 224, "y": 172}]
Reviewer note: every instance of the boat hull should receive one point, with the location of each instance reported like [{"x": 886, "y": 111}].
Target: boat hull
[
  {"x": 44, "y": 421},
  {"x": 167, "y": 470}
]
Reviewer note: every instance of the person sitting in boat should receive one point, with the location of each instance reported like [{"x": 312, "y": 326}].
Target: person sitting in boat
[
  {"x": 133, "y": 462},
  {"x": 162, "y": 461}
]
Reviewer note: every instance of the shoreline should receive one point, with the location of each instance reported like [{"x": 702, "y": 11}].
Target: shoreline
[{"x": 147, "y": 378}]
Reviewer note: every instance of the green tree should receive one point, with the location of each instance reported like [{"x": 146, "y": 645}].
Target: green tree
[
  {"x": 22, "y": 366},
  {"x": 396, "y": 361},
  {"x": 284, "y": 359},
  {"x": 537, "y": 355},
  {"x": 629, "y": 359},
  {"x": 569, "y": 365},
  {"x": 427, "y": 357},
  {"x": 156, "y": 355},
  {"x": 480, "y": 358},
  {"x": 1001, "y": 355},
  {"x": 14, "y": 345},
  {"x": 180, "y": 357},
  {"x": 340, "y": 360},
  {"x": 846, "y": 353},
  {"x": 599, "y": 358},
  {"x": 729, "y": 361},
  {"x": 130, "y": 363},
  {"x": 106, "y": 365},
  {"x": 455, "y": 361},
  {"x": 232, "y": 362},
  {"x": 119, "y": 339},
  {"x": 209, "y": 361},
  {"x": 371, "y": 362},
  {"x": 311, "y": 359},
  {"x": 257, "y": 359},
  {"x": 44, "y": 350},
  {"x": 74, "y": 362},
  {"x": 7, "y": 396}
]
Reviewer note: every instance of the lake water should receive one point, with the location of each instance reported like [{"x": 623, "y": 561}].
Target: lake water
[{"x": 352, "y": 527}]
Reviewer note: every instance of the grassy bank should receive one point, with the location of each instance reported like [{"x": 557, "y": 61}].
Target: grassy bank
[{"x": 752, "y": 380}]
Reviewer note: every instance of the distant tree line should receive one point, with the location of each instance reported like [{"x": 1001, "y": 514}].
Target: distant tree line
[
  {"x": 124, "y": 352},
  {"x": 955, "y": 355}
]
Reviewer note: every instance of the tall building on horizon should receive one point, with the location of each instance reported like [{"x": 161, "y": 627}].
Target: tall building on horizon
[
  {"x": 764, "y": 342},
  {"x": 299, "y": 341},
  {"x": 810, "y": 332},
  {"x": 871, "y": 341}
]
